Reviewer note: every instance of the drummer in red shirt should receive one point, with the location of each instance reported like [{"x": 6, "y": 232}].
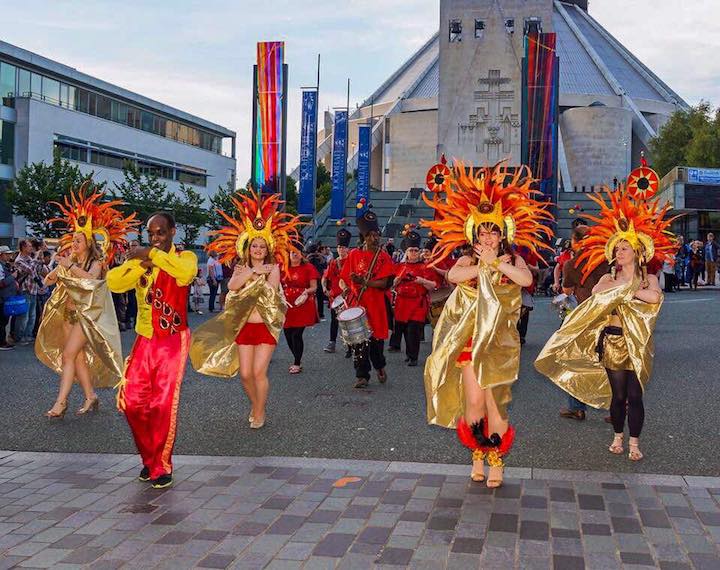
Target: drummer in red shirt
[
  {"x": 299, "y": 284},
  {"x": 356, "y": 277},
  {"x": 412, "y": 283},
  {"x": 331, "y": 284}
]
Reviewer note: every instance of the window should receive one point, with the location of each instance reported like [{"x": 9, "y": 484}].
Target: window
[
  {"x": 455, "y": 31},
  {"x": 50, "y": 90},
  {"x": 479, "y": 29},
  {"x": 71, "y": 152},
  {"x": 92, "y": 103},
  {"x": 106, "y": 159},
  {"x": 103, "y": 109},
  {"x": 83, "y": 98},
  {"x": 36, "y": 84},
  {"x": 7, "y": 142},
  {"x": 23, "y": 83},
  {"x": 191, "y": 178},
  {"x": 7, "y": 81},
  {"x": 161, "y": 171},
  {"x": 133, "y": 118},
  {"x": 5, "y": 210},
  {"x": 146, "y": 121}
]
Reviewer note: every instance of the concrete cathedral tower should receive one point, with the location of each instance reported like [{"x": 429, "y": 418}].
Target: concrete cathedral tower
[{"x": 479, "y": 98}]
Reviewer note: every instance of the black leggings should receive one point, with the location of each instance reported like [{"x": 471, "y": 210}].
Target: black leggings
[
  {"x": 294, "y": 338},
  {"x": 333, "y": 326},
  {"x": 626, "y": 395}
]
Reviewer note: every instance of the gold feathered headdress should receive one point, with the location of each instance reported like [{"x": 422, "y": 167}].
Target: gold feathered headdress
[
  {"x": 491, "y": 196},
  {"x": 98, "y": 221},
  {"x": 641, "y": 223},
  {"x": 258, "y": 217}
]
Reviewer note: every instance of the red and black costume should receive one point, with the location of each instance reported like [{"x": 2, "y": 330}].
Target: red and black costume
[
  {"x": 295, "y": 282},
  {"x": 332, "y": 280},
  {"x": 150, "y": 391},
  {"x": 372, "y": 300},
  {"x": 412, "y": 302}
]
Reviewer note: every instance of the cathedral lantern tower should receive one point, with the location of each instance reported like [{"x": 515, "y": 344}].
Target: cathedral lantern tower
[{"x": 480, "y": 95}]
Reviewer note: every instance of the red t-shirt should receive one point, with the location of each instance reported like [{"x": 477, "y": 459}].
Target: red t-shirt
[
  {"x": 412, "y": 299},
  {"x": 373, "y": 300},
  {"x": 332, "y": 276},
  {"x": 294, "y": 283}
]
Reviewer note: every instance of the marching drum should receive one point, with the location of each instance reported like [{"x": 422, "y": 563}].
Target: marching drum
[
  {"x": 353, "y": 325},
  {"x": 338, "y": 305}
]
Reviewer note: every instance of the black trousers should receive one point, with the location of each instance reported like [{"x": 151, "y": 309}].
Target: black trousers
[
  {"x": 412, "y": 331},
  {"x": 131, "y": 310},
  {"x": 333, "y": 326},
  {"x": 627, "y": 400},
  {"x": 294, "y": 338},
  {"x": 213, "y": 286},
  {"x": 320, "y": 296},
  {"x": 522, "y": 325},
  {"x": 369, "y": 354}
]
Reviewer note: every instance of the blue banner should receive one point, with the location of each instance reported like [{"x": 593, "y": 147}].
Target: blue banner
[
  {"x": 363, "y": 172},
  {"x": 339, "y": 166},
  {"x": 704, "y": 175},
  {"x": 308, "y": 153}
]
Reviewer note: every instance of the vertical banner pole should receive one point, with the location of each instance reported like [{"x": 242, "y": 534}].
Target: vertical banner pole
[
  {"x": 254, "y": 138},
  {"x": 308, "y": 153},
  {"x": 339, "y": 165},
  {"x": 363, "y": 176},
  {"x": 283, "y": 134}
]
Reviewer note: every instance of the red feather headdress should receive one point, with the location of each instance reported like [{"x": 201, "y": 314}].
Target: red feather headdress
[
  {"x": 641, "y": 223},
  {"x": 492, "y": 195},
  {"x": 99, "y": 221},
  {"x": 258, "y": 216}
]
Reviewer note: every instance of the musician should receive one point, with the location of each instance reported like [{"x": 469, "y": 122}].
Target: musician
[
  {"x": 366, "y": 275},
  {"x": 331, "y": 283},
  {"x": 411, "y": 286}
]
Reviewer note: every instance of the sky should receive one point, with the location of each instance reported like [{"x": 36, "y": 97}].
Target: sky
[{"x": 198, "y": 55}]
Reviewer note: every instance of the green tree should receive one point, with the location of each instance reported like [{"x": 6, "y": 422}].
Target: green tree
[
  {"x": 690, "y": 137},
  {"x": 190, "y": 213},
  {"x": 291, "y": 195},
  {"x": 142, "y": 193},
  {"x": 323, "y": 186},
  {"x": 221, "y": 201},
  {"x": 38, "y": 184}
]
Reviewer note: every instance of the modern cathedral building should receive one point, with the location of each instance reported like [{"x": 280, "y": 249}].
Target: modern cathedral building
[
  {"x": 461, "y": 94},
  {"x": 48, "y": 106}
]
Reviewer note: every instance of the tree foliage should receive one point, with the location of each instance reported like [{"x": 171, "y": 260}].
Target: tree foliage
[
  {"x": 191, "y": 215},
  {"x": 323, "y": 186},
  {"x": 689, "y": 138},
  {"x": 38, "y": 184},
  {"x": 142, "y": 193}
]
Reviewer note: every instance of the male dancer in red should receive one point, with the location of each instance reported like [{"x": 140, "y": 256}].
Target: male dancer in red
[
  {"x": 412, "y": 284},
  {"x": 357, "y": 277},
  {"x": 331, "y": 284},
  {"x": 150, "y": 392}
]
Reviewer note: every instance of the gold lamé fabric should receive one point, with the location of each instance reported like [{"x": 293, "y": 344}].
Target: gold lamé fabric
[
  {"x": 488, "y": 314},
  {"x": 570, "y": 359},
  {"x": 615, "y": 353},
  {"x": 95, "y": 312},
  {"x": 213, "y": 350}
]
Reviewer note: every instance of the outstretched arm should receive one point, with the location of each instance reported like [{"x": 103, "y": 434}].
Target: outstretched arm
[
  {"x": 182, "y": 267},
  {"x": 125, "y": 277}
]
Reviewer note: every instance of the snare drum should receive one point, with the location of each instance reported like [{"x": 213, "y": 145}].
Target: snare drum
[
  {"x": 338, "y": 305},
  {"x": 354, "y": 326}
]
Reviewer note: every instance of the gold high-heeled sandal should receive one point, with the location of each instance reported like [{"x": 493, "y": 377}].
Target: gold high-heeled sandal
[
  {"x": 616, "y": 446},
  {"x": 91, "y": 404},
  {"x": 495, "y": 462},
  {"x": 57, "y": 415},
  {"x": 634, "y": 454},
  {"x": 478, "y": 477}
]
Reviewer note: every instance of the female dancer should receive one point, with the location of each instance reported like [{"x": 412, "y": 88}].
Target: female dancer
[
  {"x": 299, "y": 283},
  {"x": 254, "y": 309},
  {"x": 602, "y": 355},
  {"x": 79, "y": 336},
  {"x": 476, "y": 346}
]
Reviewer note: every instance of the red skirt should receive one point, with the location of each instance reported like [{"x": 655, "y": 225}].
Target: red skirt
[
  {"x": 254, "y": 334},
  {"x": 466, "y": 354}
]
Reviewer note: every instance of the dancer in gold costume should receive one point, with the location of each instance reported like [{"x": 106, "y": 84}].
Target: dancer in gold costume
[
  {"x": 603, "y": 353},
  {"x": 476, "y": 346},
  {"x": 262, "y": 237},
  {"x": 79, "y": 336}
]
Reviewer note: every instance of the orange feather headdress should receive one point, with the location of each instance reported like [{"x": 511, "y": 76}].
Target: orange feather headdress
[
  {"x": 258, "y": 217},
  {"x": 99, "y": 221},
  {"x": 641, "y": 223},
  {"x": 491, "y": 196}
]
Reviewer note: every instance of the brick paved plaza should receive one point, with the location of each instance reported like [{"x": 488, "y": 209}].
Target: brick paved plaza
[{"x": 70, "y": 511}]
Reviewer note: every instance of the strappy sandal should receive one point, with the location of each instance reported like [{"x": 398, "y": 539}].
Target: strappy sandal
[
  {"x": 616, "y": 446},
  {"x": 478, "y": 476},
  {"x": 295, "y": 369},
  {"x": 634, "y": 454},
  {"x": 496, "y": 463}
]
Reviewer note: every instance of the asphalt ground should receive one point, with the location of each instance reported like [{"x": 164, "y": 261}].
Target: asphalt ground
[{"x": 319, "y": 414}]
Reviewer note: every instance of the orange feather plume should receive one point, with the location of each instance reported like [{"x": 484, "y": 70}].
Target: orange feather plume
[
  {"x": 505, "y": 197},
  {"x": 642, "y": 223},
  {"x": 258, "y": 216},
  {"x": 94, "y": 218}
]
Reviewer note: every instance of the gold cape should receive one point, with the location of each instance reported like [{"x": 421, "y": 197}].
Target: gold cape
[
  {"x": 489, "y": 315},
  {"x": 213, "y": 350},
  {"x": 569, "y": 358},
  {"x": 96, "y": 315}
]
